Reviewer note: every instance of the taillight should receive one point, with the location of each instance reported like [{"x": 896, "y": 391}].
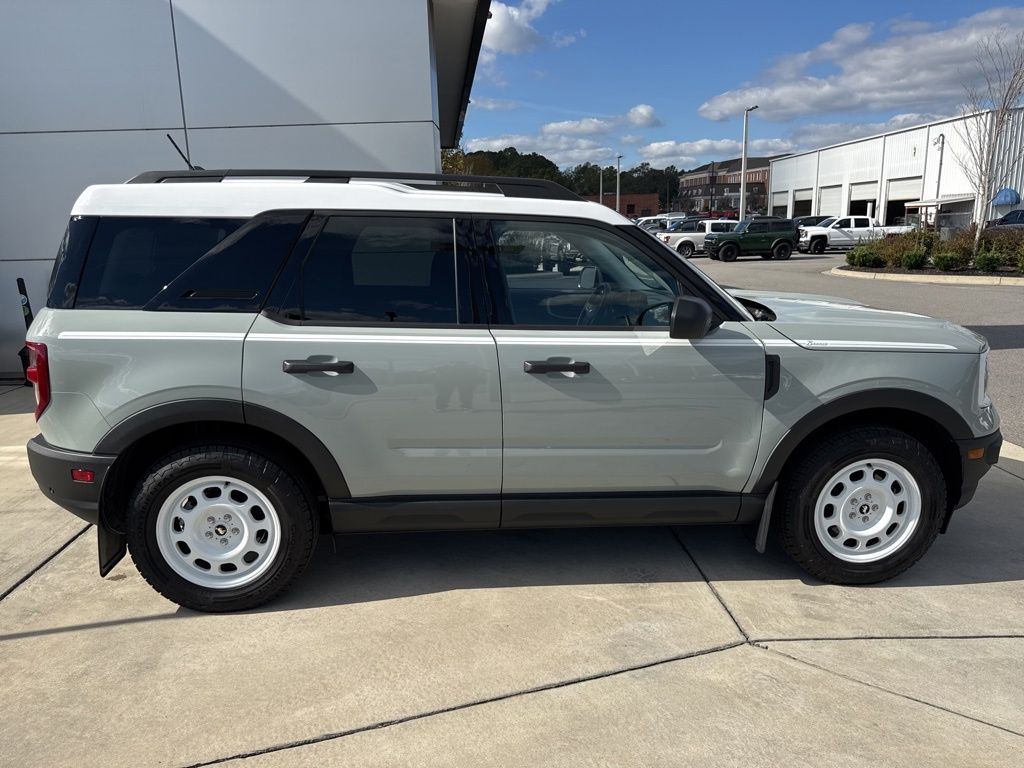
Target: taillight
[{"x": 38, "y": 372}]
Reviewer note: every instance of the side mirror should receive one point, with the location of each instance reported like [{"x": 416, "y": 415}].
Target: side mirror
[
  {"x": 588, "y": 278},
  {"x": 691, "y": 318}
]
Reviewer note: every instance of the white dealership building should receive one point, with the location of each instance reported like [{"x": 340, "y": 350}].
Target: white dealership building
[
  {"x": 91, "y": 90},
  {"x": 915, "y": 171}
]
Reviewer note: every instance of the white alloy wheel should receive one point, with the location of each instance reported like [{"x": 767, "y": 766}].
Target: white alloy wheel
[
  {"x": 867, "y": 511},
  {"x": 218, "y": 532}
]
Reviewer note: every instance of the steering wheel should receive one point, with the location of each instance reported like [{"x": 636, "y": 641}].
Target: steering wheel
[{"x": 592, "y": 308}]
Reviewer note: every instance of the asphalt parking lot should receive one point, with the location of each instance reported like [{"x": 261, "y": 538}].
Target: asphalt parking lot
[{"x": 650, "y": 646}]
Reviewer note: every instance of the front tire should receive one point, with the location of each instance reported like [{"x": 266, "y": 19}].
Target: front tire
[
  {"x": 685, "y": 249},
  {"x": 728, "y": 252},
  {"x": 863, "y": 506},
  {"x": 817, "y": 245},
  {"x": 220, "y": 528}
]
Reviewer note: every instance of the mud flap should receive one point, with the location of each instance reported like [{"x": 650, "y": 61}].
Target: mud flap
[{"x": 112, "y": 547}]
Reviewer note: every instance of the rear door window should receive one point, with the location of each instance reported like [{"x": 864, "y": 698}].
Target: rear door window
[
  {"x": 132, "y": 257},
  {"x": 381, "y": 271}
]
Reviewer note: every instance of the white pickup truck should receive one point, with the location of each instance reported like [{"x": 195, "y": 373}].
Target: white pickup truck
[
  {"x": 689, "y": 237},
  {"x": 844, "y": 232}
]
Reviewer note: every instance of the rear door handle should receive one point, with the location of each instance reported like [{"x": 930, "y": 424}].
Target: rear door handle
[
  {"x": 548, "y": 366},
  {"x": 305, "y": 366}
]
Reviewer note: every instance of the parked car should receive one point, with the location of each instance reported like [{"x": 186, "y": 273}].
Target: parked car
[
  {"x": 222, "y": 370},
  {"x": 766, "y": 237},
  {"x": 845, "y": 232},
  {"x": 809, "y": 221},
  {"x": 688, "y": 237},
  {"x": 1012, "y": 220}
]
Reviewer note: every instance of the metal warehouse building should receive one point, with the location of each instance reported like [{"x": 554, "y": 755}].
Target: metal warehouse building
[
  {"x": 91, "y": 89},
  {"x": 912, "y": 172}
]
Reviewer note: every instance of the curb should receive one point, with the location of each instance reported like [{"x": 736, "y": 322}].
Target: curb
[
  {"x": 947, "y": 279},
  {"x": 1011, "y": 451}
]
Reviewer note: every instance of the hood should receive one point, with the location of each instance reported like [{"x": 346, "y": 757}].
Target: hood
[{"x": 829, "y": 322}]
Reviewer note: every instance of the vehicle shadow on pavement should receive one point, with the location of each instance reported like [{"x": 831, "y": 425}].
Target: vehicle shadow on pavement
[{"x": 981, "y": 547}]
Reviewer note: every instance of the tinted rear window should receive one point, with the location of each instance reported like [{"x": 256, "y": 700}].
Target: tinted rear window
[{"x": 133, "y": 258}]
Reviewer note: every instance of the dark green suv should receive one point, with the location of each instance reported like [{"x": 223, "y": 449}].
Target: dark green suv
[{"x": 769, "y": 238}]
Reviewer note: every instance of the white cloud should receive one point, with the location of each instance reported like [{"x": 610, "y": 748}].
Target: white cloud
[
  {"x": 814, "y": 135},
  {"x": 560, "y": 149},
  {"x": 640, "y": 116},
  {"x": 562, "y": 40},
  {"x": 905, "y": 26},
  {"x": 630, "y": 139},
  {"x": 491, "y": 105},
  {"x": 675, "y": 152},
  {"x": 912, "y": 69},
  {"x": 510, "y": 29}
]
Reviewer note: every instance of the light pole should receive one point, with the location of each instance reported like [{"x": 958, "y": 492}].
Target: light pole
[
  {"x": 600, "y": 186},
  {"x": 618, "y": 172},
  {"x": 743, "y": 164},
  {"x": 940, "y": 142}
]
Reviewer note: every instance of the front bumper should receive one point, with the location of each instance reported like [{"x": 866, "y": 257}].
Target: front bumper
[
  {"x": 977, "y": 456},
  {"x": 51, "y": 467}
]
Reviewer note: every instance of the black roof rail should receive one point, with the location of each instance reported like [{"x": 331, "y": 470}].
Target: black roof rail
[{"x": 507, "y": 186}]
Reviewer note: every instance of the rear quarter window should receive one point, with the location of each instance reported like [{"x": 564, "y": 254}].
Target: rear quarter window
[{"x": 132, "y": 258}]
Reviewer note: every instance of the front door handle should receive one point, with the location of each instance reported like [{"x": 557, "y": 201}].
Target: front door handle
[
  {"x": 305, "y": 366},
  {"x": 549, "y": 366}
]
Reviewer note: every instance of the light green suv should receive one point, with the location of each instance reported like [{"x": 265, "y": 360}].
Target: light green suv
[{"x": 225, "y": 369}]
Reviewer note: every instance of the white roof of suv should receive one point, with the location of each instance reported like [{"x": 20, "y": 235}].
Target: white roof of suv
[{"x": 246, "y": 196}]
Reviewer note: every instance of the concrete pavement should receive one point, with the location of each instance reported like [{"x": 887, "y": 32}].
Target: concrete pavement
[{"x": 592, "y": 647}]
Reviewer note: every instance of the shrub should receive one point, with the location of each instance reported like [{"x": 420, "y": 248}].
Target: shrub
[
  {"x": 926, "y": 239},
  {"x": 1005, "y": 243},
  {"x": 865, "y": 256},
  {"x": 947, "y": 261},
  {"x": 1020, "y": 262},
  {"x": 989, "y": 261},
  {"x": 915, "y": 258},
  {"x": 962, "y": 243}
]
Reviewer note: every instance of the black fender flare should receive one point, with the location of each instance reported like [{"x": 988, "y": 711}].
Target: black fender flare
[
  {"x": 137, "y": 426},
  {"x": 903, "y": 400}
]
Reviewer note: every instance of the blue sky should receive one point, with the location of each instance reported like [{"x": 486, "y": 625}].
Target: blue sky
[{"x": 666, "y": 81}]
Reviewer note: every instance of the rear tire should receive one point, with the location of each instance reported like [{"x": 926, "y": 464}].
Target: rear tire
[
  {"x": 782, "y": 251},
  {"x": 728, "y": 252},
  {"x": 220, "y": 528},
  {"x": 862, "y": 506}
]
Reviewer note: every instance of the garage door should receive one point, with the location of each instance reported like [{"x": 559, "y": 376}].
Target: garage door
[
  {"x": 803, "y": 194},
  {"x": 865, "y": 191},
  {"x": 829, "y": 201},
  {"x": 780, "y": 203},
  {"x": 905, "y": 189}
]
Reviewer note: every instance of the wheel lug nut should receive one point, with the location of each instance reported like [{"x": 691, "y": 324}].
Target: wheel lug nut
[
  {"x": 234, "y": 531},
  {"x": 853, "y": 502},
  {"x": 224, "y": 542},
  {"x": 864, "y": 519},
  {"x": 853, "y": 515},
  {"x": 209, "y": 534},
  {"x": 227, "y": 518},
  {"x": 210, "y": 520},
  {"x": 874, "y": 507},
  {"x": 867, "y": 496}
]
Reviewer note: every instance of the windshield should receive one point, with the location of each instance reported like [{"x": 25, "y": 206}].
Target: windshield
[
  {"x": 742, "y": 226},
  {"x": 827, "y": 222}
]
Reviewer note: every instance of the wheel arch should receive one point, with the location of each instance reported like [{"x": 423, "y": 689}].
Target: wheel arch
[
  {"x": 934, "y": 423},
  {"x": 143, "y": 437}
]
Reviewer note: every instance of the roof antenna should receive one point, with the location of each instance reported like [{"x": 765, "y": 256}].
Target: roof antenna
[{"x": 183, "y": 157}]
